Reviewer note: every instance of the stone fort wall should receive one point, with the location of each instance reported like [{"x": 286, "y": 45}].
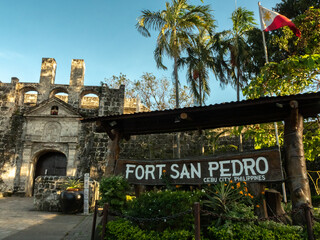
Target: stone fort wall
[{"x": 23, "y": 117}]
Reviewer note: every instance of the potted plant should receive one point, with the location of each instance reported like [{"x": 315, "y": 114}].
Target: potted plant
[{"x": 71, "y": 198}]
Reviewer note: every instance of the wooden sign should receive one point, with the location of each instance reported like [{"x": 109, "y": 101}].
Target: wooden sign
[{"x": 256, "y": 166}]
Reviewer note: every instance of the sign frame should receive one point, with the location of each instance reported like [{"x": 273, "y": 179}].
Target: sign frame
[{"x": 254, "y": 166}]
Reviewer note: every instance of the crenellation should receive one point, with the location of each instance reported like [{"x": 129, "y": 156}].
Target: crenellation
[
  {"x": 48, "y": 71},
  {"x": 77, "y": 72}
]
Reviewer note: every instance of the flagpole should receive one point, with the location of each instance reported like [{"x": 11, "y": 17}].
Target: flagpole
[
  {"x": 263, "y": 36},
  {"x": 275, "y": 123}
]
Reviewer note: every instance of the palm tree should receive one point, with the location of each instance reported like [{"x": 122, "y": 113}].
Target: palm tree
[
  {"x": 199, "y": 62},
  {"x": 237, "y": 46},
  {"x": 175, "y": 25},
  {"x": 234, "y": 45}
]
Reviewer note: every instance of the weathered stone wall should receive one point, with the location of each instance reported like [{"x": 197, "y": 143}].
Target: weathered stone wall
[
  {"x": 47, "y": 191},
  {"x": 94, "y": 151},
  {"x": 25, "y": 132},
  {"x": 160, "y": 146},
  {"x": 11, "y": 123}
]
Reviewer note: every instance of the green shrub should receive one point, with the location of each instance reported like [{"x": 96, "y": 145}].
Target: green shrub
[
  {"x": 157, "y": 204},
  {"x": 222, "y": 196},
  {"x": 124, "y": 230},
  {"x": 316, "y": 230},
  {"x": 113, "y": 190},
  {"x": 315, "y": 200},
  {"x": 264, "y": 230}
]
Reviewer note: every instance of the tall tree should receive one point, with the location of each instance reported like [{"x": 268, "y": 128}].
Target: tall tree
[
  {"x": 293, "y": 8},
  {"x": 175, "y": 24},
  {"x": 199, "y": 62},
  {"x": 238, "y": 47},
  {"x": 155, "y": 93}
]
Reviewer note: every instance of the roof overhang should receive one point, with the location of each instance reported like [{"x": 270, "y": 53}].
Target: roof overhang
[{"x": 262, "y": 110}]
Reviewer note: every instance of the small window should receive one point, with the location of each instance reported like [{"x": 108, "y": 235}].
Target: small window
[{"x": 54, "y": 110}]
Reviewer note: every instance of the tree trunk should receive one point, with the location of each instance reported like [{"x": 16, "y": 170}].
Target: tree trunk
[
  {"x": 200, "y": 90},
  {"x": 238, "y": 99},
  {"x": 113, "y": 153},
  {"x": 175, "y": 73},
  {"x": 238, "y": 84},
  {"x": 295, "y": 163}
]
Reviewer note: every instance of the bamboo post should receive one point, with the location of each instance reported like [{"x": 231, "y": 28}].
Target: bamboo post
[
  {"x": 295, "y": 164},
  {"x": 196, "y": 211},
  {"x": 94, "y": 220},
  {"x": 104, "y": 220},
  {"x": 307, "y": 212}
]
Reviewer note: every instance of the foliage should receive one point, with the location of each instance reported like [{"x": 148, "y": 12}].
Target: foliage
[
  {"x": 154, "y": 93},
  {"x": 264, "y": 230},
  {"x": 311, "y": 140},
  {"x": 113, "y": 190},
  {"x": 117, "y": 81},
  {"x": 315, "y": 200},
  {"x": 316, "y": 230},
  {"x": 175, "y": 24},
  {"x": 214, "y": 138},
  {"x": 308, "y": 23},
  {"x": 235, "y": 44},
  {"x": 222, "y": 196},
  {"x": 264, "y": 135},
  {"x": 293, "y": 75},
  {"x": 293, "y": 8},
  {"x": 159, "y": 94},
  {"x": 163, "y": 204},
  {"x": 199, "y": 61},
  {"x": 73, "y": 184},
  {"x": 124, "y": 230}
]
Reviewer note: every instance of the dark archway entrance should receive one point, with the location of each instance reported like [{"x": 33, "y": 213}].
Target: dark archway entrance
[{"x": 51, "y": 163}]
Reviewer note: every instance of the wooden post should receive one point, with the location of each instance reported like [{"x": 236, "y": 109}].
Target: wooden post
[
  {"x": 273, "y": 199},
  {"x": 258, "y": 189},
  {"x": 104, "y": 220},
  {"x": 295, "y": 163},
  {"x": 113, "y": 152},
  {"x": 94, "y": 220},
  {"x": 196, "y": 211},
  {"x": 309, "y": 222}
]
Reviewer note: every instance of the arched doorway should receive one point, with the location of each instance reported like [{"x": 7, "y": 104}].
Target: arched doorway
[{"x": 52, "y": 164}]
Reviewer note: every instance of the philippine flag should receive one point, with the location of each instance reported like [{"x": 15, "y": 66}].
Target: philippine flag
[{"x": 271, "y": 20}]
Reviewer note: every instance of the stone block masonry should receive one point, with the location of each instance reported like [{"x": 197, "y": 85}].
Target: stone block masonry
[
  {"x": 47, "y": 191},
  {"x": 40, "y": 129}
]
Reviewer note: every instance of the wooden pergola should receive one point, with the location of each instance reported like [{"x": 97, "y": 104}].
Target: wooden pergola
[{"x": 290, "y": 109}]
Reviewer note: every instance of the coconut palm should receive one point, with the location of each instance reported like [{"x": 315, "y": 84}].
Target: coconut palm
[
  {"x": 199, "y": 62},
  {"x": 175, "y": 25},
  {"x": 238, "y": 48}
]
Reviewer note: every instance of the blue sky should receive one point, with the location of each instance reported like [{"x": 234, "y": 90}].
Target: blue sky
[{"x": 102, "y": 32}]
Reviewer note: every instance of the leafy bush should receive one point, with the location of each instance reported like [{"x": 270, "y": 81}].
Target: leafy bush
[
  {"x": 222, "y": 196},
  {"x": 315, "y": 200},
  {"x": 124, "y": 230},
  {"x": 316, "y": 230},
  {"x": 157, "y": 204},
  {"x": 73, "y": 184},
  {"x": 265, "y": 230},
  {"x": 113, "y": 190}
]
